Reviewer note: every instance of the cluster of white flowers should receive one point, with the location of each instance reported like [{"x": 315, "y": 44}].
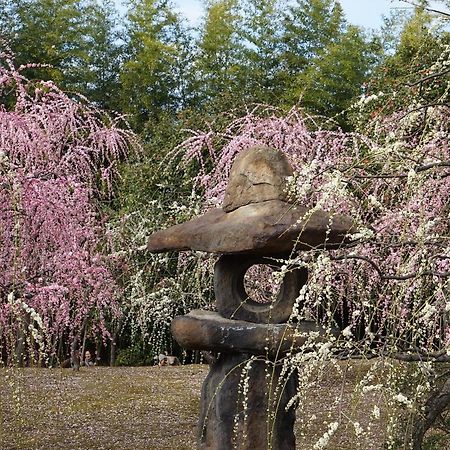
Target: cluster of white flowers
[
  {"x": 347, "y": 332},
  {"x": 376, "y": 412},
  {"x": 443, "y": 62},
  {"x": 334, "y": 188},
  {"x": 425, "y": 229},
  {"x": 411, "y": 176},
  {"x": 323, "y": 441},
  {"x": 371, "y": 388},
  {"x": 363, "y": 233},
  {"x": 365, "y": 99},
  {"x": 299, "y": 185},
  {"x": 324, "y": 349},
  {"x": 35, "y": 326},
  {"x": 10, "y": 298},
  {"x": 323, "y": 263},
  {"x": 358, "y": 429},
  {"x": 427, "y": 312},
  {"x": 401, "y": 398},
  {"x": 243, "y": 390},
  {"x": 374, "y": 201},
  {"x": 33, "y": 314},
  {"x": 3, "y": 158},
  {"x": 300, "y": 300}
]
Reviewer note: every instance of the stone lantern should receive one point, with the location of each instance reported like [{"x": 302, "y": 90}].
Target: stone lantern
[{"x": 245, "y": 397}]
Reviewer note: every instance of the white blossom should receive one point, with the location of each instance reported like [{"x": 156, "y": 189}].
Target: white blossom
[
  {"x": 323, "y": 441},
  {"x": 358, "y": 428},
  {"x": 346, "y": 332},
  {"x": 403, "y": 399},
  {"x": 376, "y": 412}
]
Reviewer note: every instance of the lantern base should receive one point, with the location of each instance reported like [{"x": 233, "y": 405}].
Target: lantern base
[{"x": 244, "y": 405}]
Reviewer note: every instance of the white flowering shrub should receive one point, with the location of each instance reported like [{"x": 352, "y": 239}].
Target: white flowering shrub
[{"x": 157, "y": 287}]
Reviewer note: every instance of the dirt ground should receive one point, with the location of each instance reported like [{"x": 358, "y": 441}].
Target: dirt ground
[
  {"x": 156, "y": 408},
  {"x": 100, "y": 408}
]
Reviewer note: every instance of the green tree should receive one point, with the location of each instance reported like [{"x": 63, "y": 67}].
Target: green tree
[
  {"x": 149, "y": 85},
  {"x": 7, "y": 19},
  {"x": 49, "y": 32},
  {"x": 335, "y": 76},
  {"x": 105, "y": 53},
  {"x": 77, "y": 39},
  {"x": 309, "y": 26},
  {"x": 325, "y": 60},
  {"x": 260, "y": 32},
  {"x": 415, "y": 70},
  {"x": 219, "y": 74}
]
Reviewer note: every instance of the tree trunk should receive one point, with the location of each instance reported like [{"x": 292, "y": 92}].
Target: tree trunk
[
  {"x": 75, "y": 354},
  {"x": 21, "y": 339},
  {"x": 114, "y": 338},
  {"x": 60, "y": 356},
  {"x": 436, "y": 404},
  {"x": 75, "y": 357},
  {"x": 83, "y": 347},
  {"x": 98, "y": 349}
]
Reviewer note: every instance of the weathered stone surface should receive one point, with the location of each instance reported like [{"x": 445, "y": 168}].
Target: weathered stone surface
[
  {"x": 258, "y": 174},
  {"x": 206, "y": 330},
  {"x": 265, "y": 424},
  {"x": 232, "y": 300},
  {"x": 256, "y": 218},
  {"x": 269, "y": 228}
]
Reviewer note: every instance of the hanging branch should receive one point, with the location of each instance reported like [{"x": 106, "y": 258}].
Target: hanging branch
[
  {"x": 391, "y": 277},
  {"x": 427, "y": 8}
]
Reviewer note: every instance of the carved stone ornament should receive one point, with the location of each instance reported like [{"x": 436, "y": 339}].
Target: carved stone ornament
[
  {"x": 257, "y": 225},
  {"x": 256, "y": 217}
]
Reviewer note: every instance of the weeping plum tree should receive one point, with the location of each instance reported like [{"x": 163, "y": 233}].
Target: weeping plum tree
[{"x": 57, "y": 156}]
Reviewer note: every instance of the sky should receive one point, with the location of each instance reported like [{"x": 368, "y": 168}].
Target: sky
[{"x": 366, "y": 13}]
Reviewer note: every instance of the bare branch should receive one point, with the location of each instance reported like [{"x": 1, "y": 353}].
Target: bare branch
[
  {"x": 428, "y": 77},
  {"x": 443, "y": 13},
  {"x": 362, "y": 258},
  {"x": 392, "y": 277},
  {"x": 411, "y": 357},
  {"x": 426, "y": 8},
  {"x": 416, "y": 169},
  {"x": 406, "y": 356}
]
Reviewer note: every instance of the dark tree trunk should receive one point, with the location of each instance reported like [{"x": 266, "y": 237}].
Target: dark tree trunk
[
  {"x": 21, "y": 340},
  {"x": 436, "y": 404},
  {"x": 114, "y": 339},
  {"x": 98, "y": 351},
  {"x": 75, "y": 356},
  {"x": 83, "y": 346}
]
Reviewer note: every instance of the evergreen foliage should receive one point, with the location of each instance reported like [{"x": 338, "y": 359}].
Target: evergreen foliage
[
  {"x": 78, "y": 40},
  {"x": 149, "y": 84}
]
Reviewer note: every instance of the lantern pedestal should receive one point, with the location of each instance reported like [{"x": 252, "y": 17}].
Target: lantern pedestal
[
  {"x": 245, "y": 401},
  {"x": 244, "y": 405}
]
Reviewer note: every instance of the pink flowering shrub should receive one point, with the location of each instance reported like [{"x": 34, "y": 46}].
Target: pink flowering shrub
[{"x": 55, "y": 153}]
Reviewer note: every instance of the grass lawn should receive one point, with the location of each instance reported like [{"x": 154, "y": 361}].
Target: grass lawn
[
  {"x": 100, "y": 408},
  {"x": 156, "y": 408}
]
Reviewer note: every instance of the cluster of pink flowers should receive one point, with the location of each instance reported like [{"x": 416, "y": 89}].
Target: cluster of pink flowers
[{"x": 55, "y": 152}]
